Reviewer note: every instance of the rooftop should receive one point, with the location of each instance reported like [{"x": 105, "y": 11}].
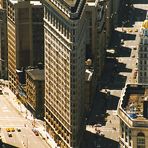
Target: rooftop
[
  {"x": 134, "y": 100},
  {"x": 36, "y": 74},
  {"x": 31, "y": 2},
  {"x": 70, "y": 2}
]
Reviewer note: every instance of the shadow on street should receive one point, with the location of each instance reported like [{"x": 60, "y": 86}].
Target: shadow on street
[
  {"x": 123, "y": 52},
  {"x": 112, "y": 78},
  {"x": 6, "y": 145},
  {"x": 98, "y": 141}
]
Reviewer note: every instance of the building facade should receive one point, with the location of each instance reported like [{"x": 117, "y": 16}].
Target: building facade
[
  {"x": 143, "y": 54},
  {"x": 65, "y": 35},
  {"x": 25, "y": 36},
  {"x": 35, "y": 91},
  {"x": 132, "y": 111},
  {"x": 3, "y": 45}
]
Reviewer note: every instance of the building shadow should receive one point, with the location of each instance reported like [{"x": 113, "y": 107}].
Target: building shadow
[
  {"x": 96, "y": 141},
  {"x": 127, "y": 36},
  {"x": 6, "y": 145},
  {"x": 116, "y": 39},
  {"x": 123, "y": 52},
  {"x": 112, "y": 102},
  {"x": 97, "y": 113},
  {"x": 116, "y": 82},
  {"x": 121, "y": 67},
  {"x": 131, "y": 14},
  {"x": 139, "y": 1}
]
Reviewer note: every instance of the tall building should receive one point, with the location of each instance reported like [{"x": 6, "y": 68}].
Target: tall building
[
  {"x": 3, "y": 44},
  {"x": 95, "y": 47},
  {"x": 143, "y": 55},
  {"x": 25, "y": 36},
  {"x": 65, "y": 44},
  {"x": 133, "y": 114}
]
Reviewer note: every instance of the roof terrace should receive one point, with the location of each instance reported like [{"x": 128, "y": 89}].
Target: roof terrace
[{"x": 133, "y": 105}]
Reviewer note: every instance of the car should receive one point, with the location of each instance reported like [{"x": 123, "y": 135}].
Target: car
[
  {"x": 8, "y": 129},
  {"x": 9, "y": 134},
  {"x": 36, "y": 132},
  {"x": 136, "y": 30},
  {"x": 135, "y": 74},
  {"x": 130, "y": 30},
  {"x": 18, "y": 129},
  {"x": 97, "y": 125},
  {"x": 122, "y": 41},
  {"x": 12, "y": 129}
]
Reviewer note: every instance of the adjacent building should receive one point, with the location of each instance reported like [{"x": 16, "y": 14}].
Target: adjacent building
[
  {"x": 143, "y": 54},
  {"x": 25, "y": 37},
  {"x": 35, "y": 91},
  {"x": 133, "y": 114},
  {"x": 3, "y": 44}
]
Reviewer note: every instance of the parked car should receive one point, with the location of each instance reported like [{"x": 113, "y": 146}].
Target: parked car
[
  {"x": 9, "y": 134},
  {"x": 18, "y": 129},
  {"x": 97, "y": 125},
  {"x": 36, "y": 132},
  {"x": 12, "y": 129},
  {"x": 8, "y": 129}
]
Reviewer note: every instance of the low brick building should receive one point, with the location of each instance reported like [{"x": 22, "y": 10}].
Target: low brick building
[{"x": 35, "y": 91}]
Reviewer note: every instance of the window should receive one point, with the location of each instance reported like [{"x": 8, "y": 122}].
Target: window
[{"x": 140, "y": 140}]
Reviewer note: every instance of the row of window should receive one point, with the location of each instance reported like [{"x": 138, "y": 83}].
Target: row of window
[
  {"x": 126, "y": 134},
  {"x": 143, "y": 49},
  {"x": 143, "y": 62},
  {"x": 144, "y": 55},
  {"x": 56, "y": 41},
  {"x": 57, "y": 113},
  {"x": 145, "y": 32},
  {"x": 57, "y": 23},
  {"x": 144, "y": 41},
  {"x": 145, "y": 74},
  {"x": 10, "y": 11},
  {"x": 60, "y": 6}
]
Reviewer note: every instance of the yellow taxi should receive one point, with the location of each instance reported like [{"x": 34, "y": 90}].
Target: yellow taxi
[
  {"x": 136, "y": 30},
  {"x": 8, "y": 129},
  {"x": 130, "y": 30},
  {"x": 12, "y": 129}
]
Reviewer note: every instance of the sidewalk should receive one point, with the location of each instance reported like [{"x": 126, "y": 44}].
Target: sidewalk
[{"x": 39, "y": 124}]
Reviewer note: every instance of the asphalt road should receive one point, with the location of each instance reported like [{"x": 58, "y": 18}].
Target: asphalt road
[
  {"x": 10, "y": 117},
  {"x": 119, "y": 70}
]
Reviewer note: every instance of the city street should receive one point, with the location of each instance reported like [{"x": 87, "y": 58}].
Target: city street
[
  {"x": 102, "y": 128},
  {"x": 10, "y": 117}
]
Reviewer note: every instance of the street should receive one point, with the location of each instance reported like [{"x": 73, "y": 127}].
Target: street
[
  {"x": 10, "y": 117},
  {"x": 120, "y": 68}
]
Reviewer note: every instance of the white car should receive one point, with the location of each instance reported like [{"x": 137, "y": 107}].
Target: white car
[{"x": 97, "y": 125}]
